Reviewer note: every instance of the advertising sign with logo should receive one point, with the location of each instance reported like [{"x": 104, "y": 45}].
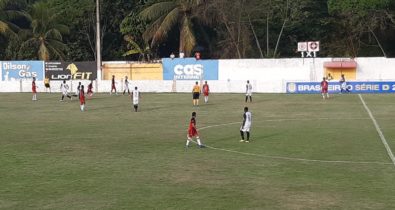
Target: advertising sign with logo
[
  {"x": 302, "y": 46},
  {"x": 189, "y": 69},
  {"x": 58, "y": 70},
  {"x": 313, "y": 46},
  {"x": 16, "y": 70},
  {"x": 334, "y": 87}
]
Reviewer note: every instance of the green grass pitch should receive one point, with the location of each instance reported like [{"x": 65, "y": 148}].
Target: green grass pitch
[{"x": 305, "y": 153}]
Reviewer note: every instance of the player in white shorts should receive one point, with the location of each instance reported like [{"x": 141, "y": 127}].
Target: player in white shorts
[
  {"x": 248, "y": 91},
  {"x": 246, "y": 126},
  {"x": 126, "y": 87},
  {"x": 135, "y": 98},
  {"x": 64, "y": 87}
]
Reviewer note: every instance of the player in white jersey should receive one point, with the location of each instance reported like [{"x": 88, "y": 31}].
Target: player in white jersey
[
  {"x": 248, "y": 91},
  {"x": 135, "y": 98},
  {"x": 126, "y": 87},
  {"x": 64, "y": 87},
  {"x": 343, "y": 85},
  {"x": 246, "y": 125}
]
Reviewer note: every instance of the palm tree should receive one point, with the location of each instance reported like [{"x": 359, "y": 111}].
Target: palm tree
[
  {"x": 45, "y": 34},
  {"x": 144, "y": 51},
  {"x": 168, "y": 14},
  {"x": 8, "y": 13}
]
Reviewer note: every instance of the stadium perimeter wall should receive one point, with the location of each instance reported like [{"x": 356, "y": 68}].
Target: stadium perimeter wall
[{"x": 266, "y": 75}]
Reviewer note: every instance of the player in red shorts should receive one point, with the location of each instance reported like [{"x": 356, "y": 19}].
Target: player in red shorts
[
  {"x": 90, "y": 91},
  {"x": 82, "y": 98},
  {"x": 192, "y": 132},
  {"x": 206, "y": 91},
  {"x": 113, "y": 88},
  {"x": 34, "y": 89},
  {"x": 324, "y": 88}
]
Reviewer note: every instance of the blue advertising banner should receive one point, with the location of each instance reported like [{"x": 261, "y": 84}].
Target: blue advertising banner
[
  {"x": 334, "y": 87},
  {"x": 16, "y": 70},
  {"x": 189, "y": 69}
]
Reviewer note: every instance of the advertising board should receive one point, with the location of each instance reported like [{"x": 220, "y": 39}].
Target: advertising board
[
  {"x": 59, "y": 70},
  {"x": 189, "y": 69}
]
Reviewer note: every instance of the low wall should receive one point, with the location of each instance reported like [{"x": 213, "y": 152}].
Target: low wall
[{"x": 266, "y": 75}]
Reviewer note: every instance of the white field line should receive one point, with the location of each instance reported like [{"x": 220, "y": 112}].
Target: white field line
[
  {"x": 387, "y": 147},
  {"x": 296, "y": 159},
  {"x": 281, "y": 120},
  {"x": 290, "y": 158}
]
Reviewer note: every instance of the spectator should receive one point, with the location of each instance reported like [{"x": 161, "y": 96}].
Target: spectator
[{"x": 197, "y": 55}]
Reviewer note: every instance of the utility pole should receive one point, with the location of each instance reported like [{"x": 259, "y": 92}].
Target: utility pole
[{"x": 98, "y": 44}]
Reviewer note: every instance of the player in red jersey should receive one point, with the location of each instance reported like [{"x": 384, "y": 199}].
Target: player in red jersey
[
  {"x": 192, "y": 132},
  {"x": 82, "y": 98},
  {"x": 34, "y": 89},
  {"x": 324, "y": 88},
  {"x": 113, "y": 85},
  {"x": 90, "y": 91},
  {"x": 206, "y": 91}
]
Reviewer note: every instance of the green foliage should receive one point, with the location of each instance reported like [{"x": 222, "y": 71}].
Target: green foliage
[
  {"x": 357, "y": 6},
  {"x": 45, "y": 34},
  {"x": 223, "y": 28}
]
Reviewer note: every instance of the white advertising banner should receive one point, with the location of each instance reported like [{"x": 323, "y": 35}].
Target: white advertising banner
[{"x": 269, "y": 70}]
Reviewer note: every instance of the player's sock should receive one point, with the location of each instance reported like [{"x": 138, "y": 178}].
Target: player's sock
[
  {"x": 250, "y": 98},
  {"x": 248, "y": 136},
  {"x": 198, "y": 141},
  {"x": 187, "y": 144},
  {"x": 246, "y": 98},
  {"x": 62, "y": 97},
  {"x": 242, "y": 135}
]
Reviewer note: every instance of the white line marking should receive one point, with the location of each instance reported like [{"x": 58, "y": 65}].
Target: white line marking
[
  {"x": 387, "y": 147},
  {"x": 291, "y": 158},
  {"x": 281, "y": 120},
  {"x": 296, "y": 159}
]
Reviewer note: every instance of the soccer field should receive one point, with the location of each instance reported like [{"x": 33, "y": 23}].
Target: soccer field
[{"x": 305, "y": 153}]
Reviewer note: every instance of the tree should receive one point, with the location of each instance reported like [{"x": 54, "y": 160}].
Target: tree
[
  {"x": 362, "y": 22},
  {"x": 45, "y": 35},
  {"x": 9, "y": 11},
  {"x": 166, "y": 15}
]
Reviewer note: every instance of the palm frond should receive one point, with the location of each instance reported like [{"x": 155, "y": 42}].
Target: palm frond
[
  {"x": 158, "y": 9},
  {"x": 151, "y": 29},
  {"x": 59, "y": 54},
  {"x": 3, "y": 27},
  {"x": 167, "y": 24},
  {"x": 63, "y": 29},
  {"x": 24, "y": 34},
  {"x": 131, "y": 52},
  {"x": 56, "y": 44},
  {"x": 53, "y": 34}
]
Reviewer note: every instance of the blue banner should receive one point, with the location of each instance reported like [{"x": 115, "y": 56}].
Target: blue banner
[
  {"x": 189, "y": 69},
  {"x": 334, "y": 87},
  {"x": 16, "y": 70}
]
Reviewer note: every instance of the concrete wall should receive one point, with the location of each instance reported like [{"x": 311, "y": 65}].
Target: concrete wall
[{"x": 266, "y": 75}]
